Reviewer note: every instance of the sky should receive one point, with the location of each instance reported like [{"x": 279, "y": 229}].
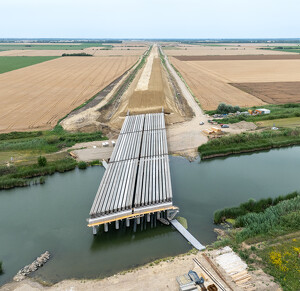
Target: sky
[{"x": 149, "y": 19}]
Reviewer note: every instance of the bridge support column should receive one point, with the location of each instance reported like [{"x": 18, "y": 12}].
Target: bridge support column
[
  {"x": 148, "y": 217},
  {"x": 158, "y": 215},
  {"x": 95, "y": 229},
  {"x": 138, "y": 220},
  {"x": 105, "y": 227},
  {"x": 117, "y": 224},
  {"x": 127, "y": 222},
  {"x": 134, "y": 225}
]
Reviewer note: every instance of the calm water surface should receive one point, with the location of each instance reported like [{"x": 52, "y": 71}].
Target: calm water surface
[{"x": 53, "y": 216}]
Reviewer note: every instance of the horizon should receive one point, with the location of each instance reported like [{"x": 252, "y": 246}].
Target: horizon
[{"x": 166, "y": 19}]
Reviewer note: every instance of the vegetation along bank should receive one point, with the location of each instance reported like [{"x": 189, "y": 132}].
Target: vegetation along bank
[
  {"x": 266, "y": 235},
  {"x": 27, "y": 155}
]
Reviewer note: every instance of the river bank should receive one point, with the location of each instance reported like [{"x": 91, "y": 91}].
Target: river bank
[
  {"x": 76, "y": 253},
  {"x": 157, "y": 275},
  {"x": 249, "y": 142}
]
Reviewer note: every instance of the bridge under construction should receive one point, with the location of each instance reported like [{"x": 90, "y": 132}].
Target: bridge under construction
[{"x": 137, "y": 181}]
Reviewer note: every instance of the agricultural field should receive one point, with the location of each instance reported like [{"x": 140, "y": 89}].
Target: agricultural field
[
  {"x": 52, "y": 46},
  {"x": 223, "y": 49},
  {"x": 36, "y": 97},
  {"x": 241, "y": 80},
  {"x": 13, "y": 63},
  {"x": 96, "y": 49}
]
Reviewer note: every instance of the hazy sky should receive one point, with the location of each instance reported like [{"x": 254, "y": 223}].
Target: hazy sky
[{"x": 150, "y": 18}]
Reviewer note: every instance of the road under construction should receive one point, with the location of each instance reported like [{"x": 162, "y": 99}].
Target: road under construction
[{"x": 137, "y": 181}]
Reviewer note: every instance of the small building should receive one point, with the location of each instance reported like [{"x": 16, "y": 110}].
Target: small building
[{"x": 263, "y": 111}]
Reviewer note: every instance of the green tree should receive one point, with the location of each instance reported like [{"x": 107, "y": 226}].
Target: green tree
[{"x": 42, "y": 161}]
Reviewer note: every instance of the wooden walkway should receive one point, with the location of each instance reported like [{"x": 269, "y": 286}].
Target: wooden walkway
[{"x": 194, "y": 242}]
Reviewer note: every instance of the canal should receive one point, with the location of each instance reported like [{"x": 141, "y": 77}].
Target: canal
[{"x": 53, "y": 216}]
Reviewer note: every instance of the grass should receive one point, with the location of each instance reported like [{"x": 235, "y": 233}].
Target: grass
[
  {"x": 20, "y": 176},
  {"x": 289, "y": 49},
  {"x": 25, "y": 147},
  {"x": 278, "y": 111},
  {"x": 274, "y": 235},
  {"x": 282, "y": 262},
  {"x": 250, "y": 206},
  {"x": 247, "y": 142},
  {"x": 6, "y": 47},
  {"x": 45, "y": 141},
  {"x": 292, "y": 122},
  {"x": 8, "y": 64}
]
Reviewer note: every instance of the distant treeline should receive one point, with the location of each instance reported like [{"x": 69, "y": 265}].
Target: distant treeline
[{"x": 77, "y": 55}]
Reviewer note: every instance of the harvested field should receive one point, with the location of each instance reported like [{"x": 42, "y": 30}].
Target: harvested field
[
  {"x": 252, "y": 70},
  {"x": 220, "y": 49},
  {"x": 273, "y": 92},
  {"x": 99, "y": 52},
  {"x": 36, "y": 97},
  {"x": 210, "y": 88},
  {"x": 211, "y": 81},
  {"x": 238, "y": 57}
]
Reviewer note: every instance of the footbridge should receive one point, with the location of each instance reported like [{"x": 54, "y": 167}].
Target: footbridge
[{"x": 137, "y": 180}]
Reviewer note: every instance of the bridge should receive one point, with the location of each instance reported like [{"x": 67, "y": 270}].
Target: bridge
[{"x": 137, "y": 181}]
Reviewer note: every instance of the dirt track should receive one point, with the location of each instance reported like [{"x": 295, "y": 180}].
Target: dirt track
[
  {"x": 157, "y": 96},
  {"x": 36, "y": 97}
]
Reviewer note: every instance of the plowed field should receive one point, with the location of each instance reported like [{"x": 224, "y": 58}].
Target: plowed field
[
  {"x": 37, "y": 97},
  {"x": 273, "y": 92}
]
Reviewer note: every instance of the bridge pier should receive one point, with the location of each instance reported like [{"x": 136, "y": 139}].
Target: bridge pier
[
  {"x": 138, "y": 220},
  {"x": 158, "y": 215},
  {"x": 105, "y": 227},
  {"x": 148, "y": 217},
  {"x": 95, "y": 230},
  {"x": 127, "y": 222},
  {"x": 117, "y": 224}
]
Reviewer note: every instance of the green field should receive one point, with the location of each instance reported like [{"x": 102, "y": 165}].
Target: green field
[
  {"x": 13, "y": 63},
  {"x": 7, "y": 47},
  {"x": 284, "y": 122},
  {"x": 289, "y": 49}
]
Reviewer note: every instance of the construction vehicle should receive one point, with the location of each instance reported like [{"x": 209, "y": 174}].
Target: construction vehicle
[{"x": 199, "y": 281}]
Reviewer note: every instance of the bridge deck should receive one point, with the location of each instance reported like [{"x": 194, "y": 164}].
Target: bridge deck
[{"x": 137, "y": 178}]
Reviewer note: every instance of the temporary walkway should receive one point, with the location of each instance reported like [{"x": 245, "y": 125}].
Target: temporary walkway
[
  {"x": 137, "y": 180},
  {"x": 194, "y": 242}
]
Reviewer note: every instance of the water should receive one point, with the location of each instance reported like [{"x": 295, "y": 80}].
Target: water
[{"x": 52, "y": 216}]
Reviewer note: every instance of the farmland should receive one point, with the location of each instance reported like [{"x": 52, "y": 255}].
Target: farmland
[
  {"x": 268, "y": 79},
  {"x": 36, "y": 97},
  {"x": 12, "y": 63},
  {"x": 6, "y": 47}
]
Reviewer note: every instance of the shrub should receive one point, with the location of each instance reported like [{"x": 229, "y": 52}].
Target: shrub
[
  {"x": 82, "y": 165},
  {"x": 42, "y": 161},
  {"x": 250, "y": 206},
  {"x": 5, "y": 170},
  {"x": 224, "y": 108}
]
